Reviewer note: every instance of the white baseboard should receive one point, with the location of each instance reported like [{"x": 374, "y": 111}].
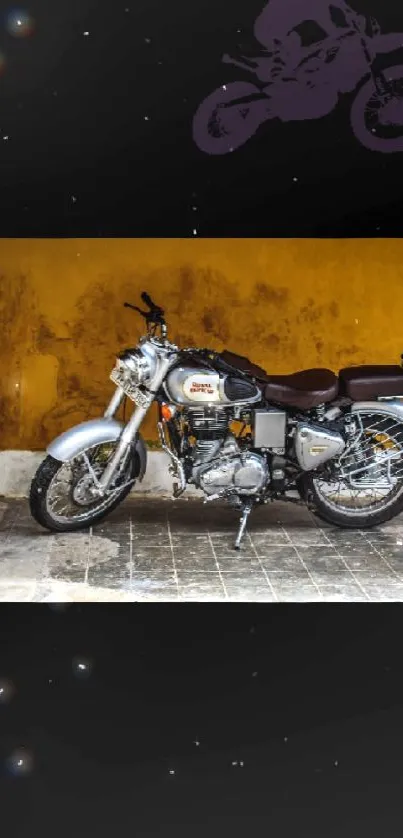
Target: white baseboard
[{"x": 17, "y": 469}]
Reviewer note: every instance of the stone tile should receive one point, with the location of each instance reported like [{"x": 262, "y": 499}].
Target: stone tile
[
  {"x": 195, "y": 564},
  {"x": 74, "y": 574},
  {"x": 192, "y": 555},
  {"x": 14, "y": 591},
  {"x": 307, "y": 537},
  {"x": 271, "y": 538},
  {"x": 245, "y": 593},
  {"x": 371, "y": 564},
  {"x": 112, "y": 574},
  {"x": 154, "y": 587},
  {"x": 153, "y": 563},
  {"x": 189, "y": 577},
  {"x": 323, "y": 569},
  {"x": 282, "y": 559},
  {"x": 239, "y": 563},
  {"x": 255, "y": 578},
  {"x": 201, "y": 593},
  {"x": 299, "y": 594},
  {"x": 151, "y": 552},
  {"x": 292, "y": 583},
  {"x": 317, "y": 554},
  {"x": 344, "y": 591}
]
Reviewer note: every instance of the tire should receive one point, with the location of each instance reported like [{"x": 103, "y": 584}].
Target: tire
[
  {"x": 41, "y": 483},
  {"x": 319, "y": 507},
  {"x": 361, "y": 108},
  {"x": 214, "y": 135}
]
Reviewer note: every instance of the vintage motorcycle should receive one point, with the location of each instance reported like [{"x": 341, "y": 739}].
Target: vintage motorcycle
[
  {"x": 235, "y": 432},
  {"x": 296, "y": 82}
]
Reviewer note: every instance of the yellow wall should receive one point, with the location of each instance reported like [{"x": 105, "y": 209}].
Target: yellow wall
[{"x": 286, "y": 303}]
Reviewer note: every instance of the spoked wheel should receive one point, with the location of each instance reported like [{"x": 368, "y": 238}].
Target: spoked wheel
[
  {"x": 62, "y": 497},
  {"x": 365, "y": 489},
  {"x": 377, "y": 117}
]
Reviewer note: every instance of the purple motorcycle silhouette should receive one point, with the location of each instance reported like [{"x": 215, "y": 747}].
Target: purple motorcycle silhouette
[{"x": 297, "y": 82}]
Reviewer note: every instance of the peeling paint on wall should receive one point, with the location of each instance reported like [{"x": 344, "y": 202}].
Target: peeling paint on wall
[{"x": 286, "y": 303}]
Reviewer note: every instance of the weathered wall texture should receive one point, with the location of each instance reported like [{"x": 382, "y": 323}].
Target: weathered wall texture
[{"x": 287, "y": 303}]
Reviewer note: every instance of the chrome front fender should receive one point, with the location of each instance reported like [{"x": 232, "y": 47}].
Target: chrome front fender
[{"x": 76, "y": 440}]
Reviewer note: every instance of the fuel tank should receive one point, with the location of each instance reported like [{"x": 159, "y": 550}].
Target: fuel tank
[{"x": 196, "y": 385}]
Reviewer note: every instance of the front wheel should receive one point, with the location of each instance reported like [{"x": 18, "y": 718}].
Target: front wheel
[
  {"x": 61, "y": 497},
  {"x": 222, "y": 123},
  {"x": 377, "y": 117}
]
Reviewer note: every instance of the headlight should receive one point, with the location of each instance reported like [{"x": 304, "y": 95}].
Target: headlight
[
  {"x": 133, "y": 365},
  {"x": 137, "y": 364}
]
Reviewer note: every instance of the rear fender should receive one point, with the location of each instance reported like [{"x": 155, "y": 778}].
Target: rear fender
[
  {"x": 390, "y": 407},
  {"x": 76, "y": 440}
]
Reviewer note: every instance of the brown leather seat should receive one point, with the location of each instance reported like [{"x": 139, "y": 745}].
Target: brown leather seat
[
  {"x": 368, "y": 382},
  {"x": 304, "y": 390}
]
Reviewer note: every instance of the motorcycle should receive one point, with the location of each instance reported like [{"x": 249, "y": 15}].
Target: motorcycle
[
  {"x": 236, "y": 433},
  {"x": 294, "y": 82}
]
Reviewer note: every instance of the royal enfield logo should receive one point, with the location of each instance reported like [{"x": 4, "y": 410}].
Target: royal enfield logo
[
  {"x": 201, "y": 388},
  {"x": 291, "y": 79},
  {"x": 197, "y": 387}
]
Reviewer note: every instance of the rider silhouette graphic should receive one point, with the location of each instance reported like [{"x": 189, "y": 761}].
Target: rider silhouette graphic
[
  {"x": 280, "y": 18},
  {"x": 312, "y": 53}
]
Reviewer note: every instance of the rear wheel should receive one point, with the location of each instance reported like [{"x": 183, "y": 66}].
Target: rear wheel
[
  {"x": 62, "y": 498},
  {"x": 365, "y": 489}
]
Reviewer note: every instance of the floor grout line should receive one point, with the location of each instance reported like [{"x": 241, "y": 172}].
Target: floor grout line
[
  {"x": 173, "y": 556},
  {"x": 218, "y": 566},
  {"x": 263, "y": 568}
]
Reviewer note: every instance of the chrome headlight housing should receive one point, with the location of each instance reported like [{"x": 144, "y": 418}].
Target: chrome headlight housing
[{"x": 139, "y": 365}]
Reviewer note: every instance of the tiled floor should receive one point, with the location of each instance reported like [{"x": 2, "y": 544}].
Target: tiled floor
[{"x": 152, "y": 549}]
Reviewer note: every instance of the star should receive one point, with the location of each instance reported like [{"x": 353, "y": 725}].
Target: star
[
  {"x": 147, "y": 40},
  {"x": 86, "y": 34},
  {"x": 194, "y": 232},
  {"x": 6, "y": 137},
  {"x": 74, "y": 199},
  {"x": 172, "y": 771},
  {"x": 146, "y": 119},
  {"x": 197, "y": 743}
]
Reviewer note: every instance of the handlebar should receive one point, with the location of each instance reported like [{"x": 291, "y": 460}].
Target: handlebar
[
  {"x": 154, "y": 317},
  {"x": 148, "y": 301}
]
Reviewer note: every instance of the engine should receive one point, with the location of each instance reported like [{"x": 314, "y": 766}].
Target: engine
[
  {"x": 209, "y": 427},
  {"x": 220, "y": 465}
]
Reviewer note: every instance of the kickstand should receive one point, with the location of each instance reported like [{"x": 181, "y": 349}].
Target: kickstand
[{"x": 247, "y": 509}]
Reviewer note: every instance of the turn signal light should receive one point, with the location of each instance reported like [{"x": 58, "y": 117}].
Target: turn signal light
[{"x": 166, "y": 412}]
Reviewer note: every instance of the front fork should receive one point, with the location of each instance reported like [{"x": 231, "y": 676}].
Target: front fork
[{"x": 133, "y": 426}]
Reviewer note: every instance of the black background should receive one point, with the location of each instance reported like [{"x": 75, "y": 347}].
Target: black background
[
  {"x": 73, "y": 108},
  {"x": 309, "y": 698}
]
